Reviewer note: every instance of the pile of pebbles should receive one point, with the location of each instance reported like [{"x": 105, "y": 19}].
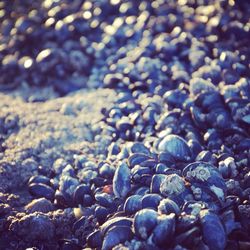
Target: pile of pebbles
[{"x": 162, "y": 159}]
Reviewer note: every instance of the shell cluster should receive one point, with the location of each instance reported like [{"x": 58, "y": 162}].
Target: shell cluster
[{"x": 175, "y": 172}]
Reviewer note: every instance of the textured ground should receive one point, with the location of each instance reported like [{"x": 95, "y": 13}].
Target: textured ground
[{"x": 37, "y": 133}]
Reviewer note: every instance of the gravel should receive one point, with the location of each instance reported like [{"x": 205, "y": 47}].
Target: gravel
[{"x": 44, "y": 131}]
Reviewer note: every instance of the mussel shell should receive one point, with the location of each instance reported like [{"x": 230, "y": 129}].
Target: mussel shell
[
  {"x": 67, "y": 184},
  {"x": 151, "y": 163},
  {"x": 206, "y": 156},
  {"x": 189, "y": 239},
  {"x": 136, "y": 159},
  {"x": 100, "y": 182},
  {"x": 116, "y": 235},
  {"x": 81, "y": 222},
  {"x": 172, "y": 185},
  {"x": 156, "y": 182},
  {"x": 168, "y": 206},
  {"x": 213, "y": 197},
  {"x": 142, "y": 190},
  {"x": 160, "y": 168},
  {"x": 138, "y": 171},
  {"x": 213, "y": 231},
  {"x": 41, "y": 190},
  {"x": 145, "y": 179},
  {"x": 199, "y": 118},
  {"x": 209, "y": 101},
  {"x": 124, "y": 124},
  {"x": 117, "y": 221},
  {"x": 164, "y": 231},
  {"x": 246, "y": 180},
  {"x": 151, "y": 201},
  {"x": 139, "y": 147},
  {"x": 113, "y": 149},
  {"x": 175, "y": 97},
  {"x": 106, "y": 171},
  {"x": 229, "y": 221},
  {"x": 176, "y": 146},
  {"x": 104, "y": 199},
  {"x": 39, "y": 179},
  {"x": 193, "y": 207},
  {"x": 133, "y": 204},
  {"x": 207, "y": 174},
  {"x": 79, "y": 193},
  {"x": 166, "y": 158},
  {"x": 219, "y": 118},
  {"x": 101, "y": 214},
  {"x": 63, "y": 199},
  {"x": 94, "y": 239},
  {"x": 121, "y": 180},
  {"x": 186, "y": 222},
  {"x": 145, "y": 221},
  {"x": 195, "y": 147}
]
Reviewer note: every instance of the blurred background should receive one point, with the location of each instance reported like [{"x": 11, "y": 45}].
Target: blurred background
[{"x": 134, "y": 45}]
